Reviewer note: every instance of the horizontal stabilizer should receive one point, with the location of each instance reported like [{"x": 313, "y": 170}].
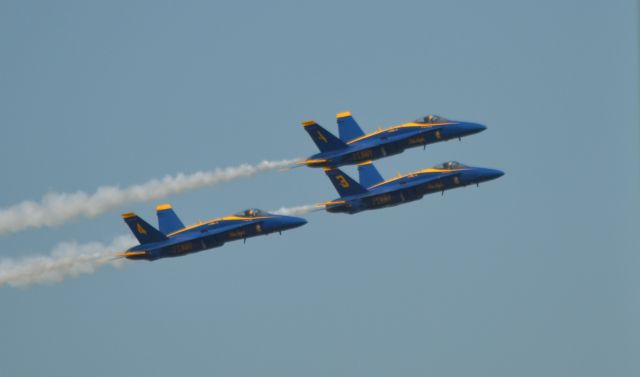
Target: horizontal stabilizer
[{"x": 324, "y": 139}]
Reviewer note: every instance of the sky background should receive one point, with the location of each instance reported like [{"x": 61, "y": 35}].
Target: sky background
[{"x": 534, "y": 274}]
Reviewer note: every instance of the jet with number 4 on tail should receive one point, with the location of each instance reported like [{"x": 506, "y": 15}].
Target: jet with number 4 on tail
[
  {"x": 173, "y": 239},
  {"x": 374, "y": 192},
  {"x": 354, "y": 146}
]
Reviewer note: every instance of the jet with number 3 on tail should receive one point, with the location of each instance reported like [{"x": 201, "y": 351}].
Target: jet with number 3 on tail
[
  {"x": 173, "y": 239},
  {"x": 353, "y": 146},
  {"x": 373, "y": 192}
]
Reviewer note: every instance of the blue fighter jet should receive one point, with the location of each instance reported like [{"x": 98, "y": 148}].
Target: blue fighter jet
[
  {"x": 174, "y": 239},
  {"x": 374, "y": 192},
  {"x": 354, "y": 147}
]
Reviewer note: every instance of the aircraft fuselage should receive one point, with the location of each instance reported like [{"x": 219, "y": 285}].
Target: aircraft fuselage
[
  {"x": 211, "y": 234},
  {"x": 411, "y": 187},
  {"x": 392, "y": 141}
]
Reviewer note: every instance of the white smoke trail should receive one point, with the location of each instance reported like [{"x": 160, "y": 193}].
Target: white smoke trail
[
  {"x": 295, "y": 211},
  {"x": 57, "y": 208},
  {"x": 66, "y": 259}
]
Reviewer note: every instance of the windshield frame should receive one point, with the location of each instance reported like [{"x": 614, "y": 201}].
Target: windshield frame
[
  {"x": 430, "y": 119},
  {"x": 450, "y": 165},
  {"x": 252, "y": 212}
]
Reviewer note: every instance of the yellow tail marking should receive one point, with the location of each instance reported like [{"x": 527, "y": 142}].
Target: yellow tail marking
[
  {"x": 343, "y": 181},
  {"x": 140, "y": 229},
  {"x": 322, "y": 137}
]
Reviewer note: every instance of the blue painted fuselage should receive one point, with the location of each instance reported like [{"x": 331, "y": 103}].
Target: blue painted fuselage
[
  {"x": 391, "y": 141},
  {"x": 409, "y": 187},
  {"x": 211, "y": 234}
]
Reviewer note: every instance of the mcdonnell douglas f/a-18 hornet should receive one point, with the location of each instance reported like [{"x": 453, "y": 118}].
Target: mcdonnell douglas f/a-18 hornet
[
  {"x": 354, "y": 147},
  {"x": 374, "y": 192},
  {"x": 174, "y": 239}
]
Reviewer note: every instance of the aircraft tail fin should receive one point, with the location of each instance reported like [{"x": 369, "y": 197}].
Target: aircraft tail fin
[
  {"x": 144, "y": 232},
  {"x": 348, "y": 128},
  {"x": 344, "y": 184},
  {"x": 324, "y": 139},
  {"x": 369, "y": 175},
  {"x": 168, "y": 221}
]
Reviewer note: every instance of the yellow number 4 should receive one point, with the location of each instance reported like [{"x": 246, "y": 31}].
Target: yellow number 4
[{"x": 140, "y": 229}]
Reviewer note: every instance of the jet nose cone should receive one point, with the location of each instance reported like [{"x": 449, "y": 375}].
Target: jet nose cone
[
  {"x": 494, "y": 173},
  {"x": 294, "y": 222},
  {"x": 474, "y": 128}
]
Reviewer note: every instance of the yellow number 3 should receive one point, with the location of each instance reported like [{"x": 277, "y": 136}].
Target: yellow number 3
[{"x": 343, "y": 181}]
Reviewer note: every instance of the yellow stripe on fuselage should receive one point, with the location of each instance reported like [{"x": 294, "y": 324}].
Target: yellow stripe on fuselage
[
  {"x": 413, "y": 174},
  {"x": 317, "y": 161},
  {"x": 393, "y": 128},
  {"x": 330, "y": 203},
  {"x": 219, "y": 219}
]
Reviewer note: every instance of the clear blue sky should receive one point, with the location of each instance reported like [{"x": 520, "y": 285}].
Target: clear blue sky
[{"x": 535, "y": 274}]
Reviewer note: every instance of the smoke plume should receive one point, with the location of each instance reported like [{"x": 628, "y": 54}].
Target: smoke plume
[
  {"x": 57, "y": 208},
  {"x": 66, "y": 259},
  {"x": 295, "y": 211}
]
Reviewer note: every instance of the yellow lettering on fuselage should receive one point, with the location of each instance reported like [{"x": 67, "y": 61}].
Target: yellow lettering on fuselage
[
  {"x": 182, "y": 248},
  {"x": 435, "y": 186},
  {"x": 237, "y": 233},
  {"x": 363, "y": 155},
  {"x": 382, "y": 199},
  {"x": 417, "y": 140}
]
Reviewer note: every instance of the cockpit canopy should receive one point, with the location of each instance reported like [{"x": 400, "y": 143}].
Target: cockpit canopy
[
  {"x": 450, "y": 165},
  {"x": 429, "y": 119},
  {"x": 252, "y": 212}
]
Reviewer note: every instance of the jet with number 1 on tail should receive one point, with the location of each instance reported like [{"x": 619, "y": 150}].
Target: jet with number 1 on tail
[
  {"x": 173, "y": 239},
  {"x": 373, "y": 192},
  {"x": 353, "y": 146}
]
